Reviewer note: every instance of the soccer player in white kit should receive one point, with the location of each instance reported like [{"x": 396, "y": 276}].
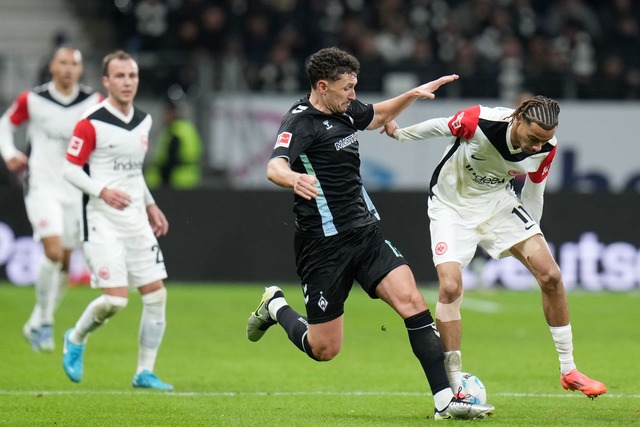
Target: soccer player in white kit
[
  {"x": 53, "y": 205},
  {"x": 472, "y": 202},
  {"x": 121, "y": 220}
]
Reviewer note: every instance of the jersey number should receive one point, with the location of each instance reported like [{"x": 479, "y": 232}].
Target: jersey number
[
  {"x": 524, "y": 217},
  {"x": 393, "y": 248},
  {"x": 159, "y": 257}
]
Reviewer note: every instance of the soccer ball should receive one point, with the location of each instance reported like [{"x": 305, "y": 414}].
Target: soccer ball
[{"x": 473, "y": 389}]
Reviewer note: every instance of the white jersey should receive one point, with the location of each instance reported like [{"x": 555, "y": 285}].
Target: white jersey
[
  {"x": 481, "y": 160},
  {"x": 51, "y": 117},
  {"x": 112, "y": 147}
]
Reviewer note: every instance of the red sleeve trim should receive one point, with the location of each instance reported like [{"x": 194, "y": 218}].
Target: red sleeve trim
[
  {"x": 19, "y": 110},
  {"x": 542, "y": 172},
  {"x": 465, "y": 122},
  {"x": 82, "y": 143}
]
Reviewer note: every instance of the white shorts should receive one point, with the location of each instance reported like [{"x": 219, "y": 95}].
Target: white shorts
[
  {"x": 456, "y": 233},
  {"x": 123, "y": 261},
  {"x": 50, "y": 217}
]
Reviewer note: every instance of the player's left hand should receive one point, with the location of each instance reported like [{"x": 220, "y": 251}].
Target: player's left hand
[
  {"x": 158, "y": 221},
  {"x": 426, "y": 90}
]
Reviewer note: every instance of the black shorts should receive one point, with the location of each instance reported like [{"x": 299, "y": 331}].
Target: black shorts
[{"x": 328, "y": 266}]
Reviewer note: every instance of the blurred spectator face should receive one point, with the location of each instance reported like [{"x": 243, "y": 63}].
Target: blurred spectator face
[
  {"x": 511, "y": 48},
  {"x": 422, "y": 50},
  {"x": 213, "y": 19},
  {"x": 188, "y": 34},
  {"x": 258, "y": 26},
  {"x": 613, "y": 67}
]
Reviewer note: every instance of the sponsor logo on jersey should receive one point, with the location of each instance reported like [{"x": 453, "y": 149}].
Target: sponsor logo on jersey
[
  {"x": 473, "y": 156},
  {"x": 485, "y": 180},
  {"x": 298, "y": 109},
  {"x": 326, "y": 123},
  {"x": 283, "y": 140},
  {"x": 63, "y": 138},
  {"x": 514, "y": 172},
  {"x": 346, "y": 141},
  {"x": 75, "y": 145},
  {"x": 126, "y": 165},
  {"x": 441, "y": 248}
]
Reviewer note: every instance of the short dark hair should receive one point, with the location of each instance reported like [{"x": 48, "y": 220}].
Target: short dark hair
[
  {"x": 118, "y": 54},
  {"x": 329, "y": 64},
  {"x": 65, "y": 46},
  {"x": 538, "y": 109}
]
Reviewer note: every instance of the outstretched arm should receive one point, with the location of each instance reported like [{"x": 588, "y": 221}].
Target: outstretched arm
[
  {"x": 388, "y": 110},
  {"x": 424, "y": 130},
  {"x": 279, "y": 172}
]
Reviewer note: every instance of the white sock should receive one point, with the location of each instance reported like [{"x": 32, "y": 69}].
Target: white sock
[
  {"x": 275, "y": 305},
  {"x": 34, "y": 318},
  {"x": 152, "y": 327},
  {"x": 62, "y": 288},
  {"x": 47, "y": 285},
  {"x": 453, "y": 366},
  {"x": 442, "y": 399},
  {"x": 563, "y": 338},
  {"x": 96, "y": 314}
]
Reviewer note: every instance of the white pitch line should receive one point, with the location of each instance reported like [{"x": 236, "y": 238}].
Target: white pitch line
[{"x": 279, "y": 393}]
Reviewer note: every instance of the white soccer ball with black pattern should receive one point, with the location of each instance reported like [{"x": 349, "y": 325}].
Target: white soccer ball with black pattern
[{"x": 473, "y": 389}]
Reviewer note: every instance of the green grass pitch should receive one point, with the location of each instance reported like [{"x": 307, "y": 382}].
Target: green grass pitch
[{"x": 222, "y": 379}]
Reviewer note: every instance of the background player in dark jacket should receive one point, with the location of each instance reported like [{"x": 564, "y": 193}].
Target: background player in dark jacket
[{"x": 337, "y": 240}]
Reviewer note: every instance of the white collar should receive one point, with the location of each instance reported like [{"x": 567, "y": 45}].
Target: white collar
[{"x": 60, "y": 97}]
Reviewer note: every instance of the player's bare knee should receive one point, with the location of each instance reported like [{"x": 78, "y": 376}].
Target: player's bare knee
[
  {"x": 326, "y": 353},
  {"x": 55, "y": 255},
  {"x": 449, "y": 289},
  {"x": 550, "y": 280}
]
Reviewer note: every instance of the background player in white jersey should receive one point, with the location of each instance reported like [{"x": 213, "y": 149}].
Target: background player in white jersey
[
  {"x": 53, "y": 205},
  {"x": 472, "y": 202},
  {"x": 121, "y": 220}
]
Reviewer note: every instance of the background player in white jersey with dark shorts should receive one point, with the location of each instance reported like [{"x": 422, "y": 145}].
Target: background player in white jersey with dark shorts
[
  {"x": 337, "y": 239},
  {"x": 472, "y": 202},
  {"x": 53, "y": 205},
  {"x": 121, "y": 220}
]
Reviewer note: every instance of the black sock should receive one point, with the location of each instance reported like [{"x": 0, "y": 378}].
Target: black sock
[
  {"x": 426, "y": 345},
  {"x": 296, "y": 327}
]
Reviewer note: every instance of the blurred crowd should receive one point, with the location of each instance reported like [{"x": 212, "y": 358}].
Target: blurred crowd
[{"x": 571, "y": 49}]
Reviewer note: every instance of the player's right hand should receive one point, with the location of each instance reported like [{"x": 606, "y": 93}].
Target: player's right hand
[
  {"x": 115, "y": 198},
  {"x": 305, "y": 186},
  {"x": 389, "y": 128},
  {"x": 17, "y": 163}
]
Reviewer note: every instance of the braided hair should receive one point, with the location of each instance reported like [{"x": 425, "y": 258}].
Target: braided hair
[{"x": 539, "y": 109}]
